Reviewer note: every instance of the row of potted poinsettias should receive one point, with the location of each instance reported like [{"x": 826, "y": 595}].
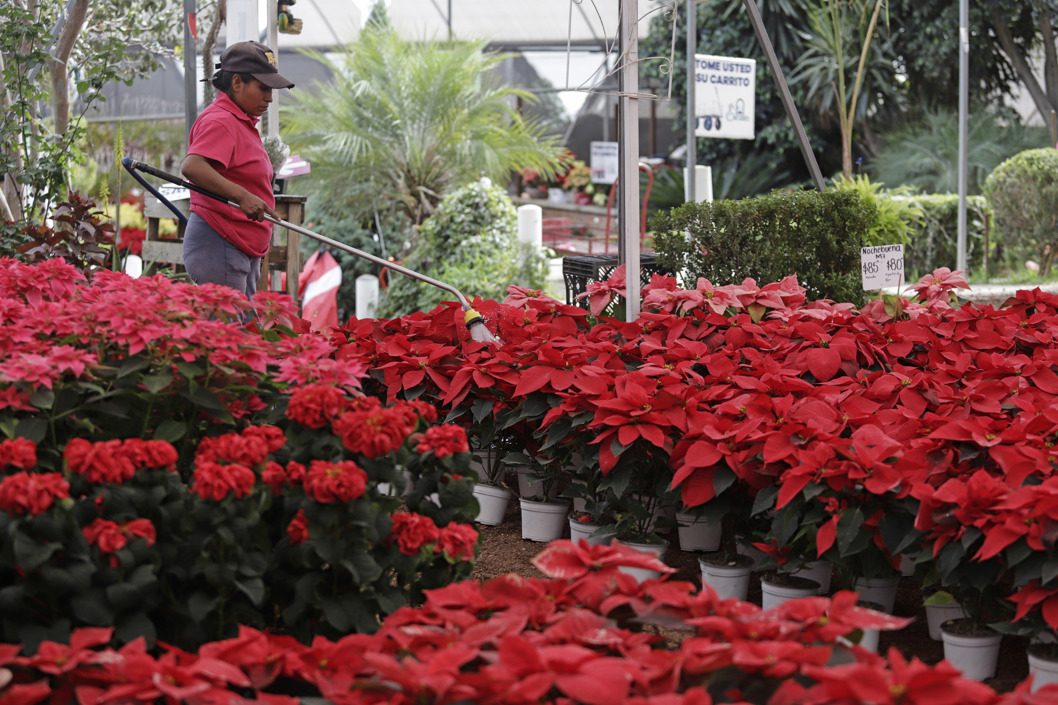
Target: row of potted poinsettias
[
  {"x": 587, "y": 635},
  {"x": 90, "y": 381},
  {"x": 814, "y": 430}
]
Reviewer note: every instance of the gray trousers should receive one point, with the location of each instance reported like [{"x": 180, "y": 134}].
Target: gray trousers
[{"x": 210, "y": 259}]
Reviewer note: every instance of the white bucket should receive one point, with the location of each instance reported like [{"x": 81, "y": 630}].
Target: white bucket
[
  {"x": 543, "y": 521},
  {"x": 492, "y": 504},
  {"x": 975, "y": 655}
]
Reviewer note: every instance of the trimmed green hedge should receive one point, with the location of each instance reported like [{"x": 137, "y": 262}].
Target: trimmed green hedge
[
  {"x": 934, "y": 238},
  {"x": 816, "y": 236}
]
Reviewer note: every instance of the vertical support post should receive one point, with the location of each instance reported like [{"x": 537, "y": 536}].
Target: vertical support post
[
  {"x": 190, "y": 75},
  {"x": 690, "y": 189},
  {"x": 628, "y": 165},
  {"x": 964, "y": 89},
  {"x": 273, "y": 44}
]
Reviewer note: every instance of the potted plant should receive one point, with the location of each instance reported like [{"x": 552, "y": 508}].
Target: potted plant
[
  {"x": 957, "y": 518},
  {"x": 491, "y": 490}
]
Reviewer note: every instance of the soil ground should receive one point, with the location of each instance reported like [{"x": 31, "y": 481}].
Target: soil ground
[{"x": 504, "y": 551}]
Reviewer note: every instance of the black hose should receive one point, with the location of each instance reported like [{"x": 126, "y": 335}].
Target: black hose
[{"x": 131, "y": 165}]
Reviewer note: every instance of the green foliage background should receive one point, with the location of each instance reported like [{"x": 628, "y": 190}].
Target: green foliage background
[{"x": 471, "y": 243}]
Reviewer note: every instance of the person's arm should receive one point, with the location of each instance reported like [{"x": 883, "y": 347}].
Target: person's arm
[{"x": 201, "y": 172}]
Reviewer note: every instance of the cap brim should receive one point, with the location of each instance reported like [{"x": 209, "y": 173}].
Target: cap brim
[{"x": 273, "y": 80}]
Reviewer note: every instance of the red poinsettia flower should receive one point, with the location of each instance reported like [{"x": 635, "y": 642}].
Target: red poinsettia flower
[
  {"x": 413, "y": 531},
  {"x": 444, "y": 440},
  {"x": 110, "y": 536},
  {"x": 298, "y": 528},
  {"x": 341, "y": 481},
  {"x": 457, "y": 542},
  {"x": 32, "y": 493},
  {"x": 18, "y": 453}
]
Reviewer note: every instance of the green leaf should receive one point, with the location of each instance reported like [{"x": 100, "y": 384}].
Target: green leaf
[
  {"x": 131, "y": 626},
  {"x": 11, "y": 600},
  {"x": 253, "y": 588},
  {"x": 1017, "y": 552},
  {"x": 190, "y": 370},
  {"x": 170, "y": 431},
  {"x": 71, "y": 578},
  {"x": 949, "y": 561},
  {"x": 34, "y": 428},
  {"x": 898, "y": 532},
  {"x": 31, "y": 554},
  {"x": 123, "y": 596},
  {"x": 156, "y": 383},
  {"x": 200, "y": 605},
  {"x": 83, "y": 86},
  {"x": 336, "y": 615},
  {"x": 92, "y": 608},
  {"x": 362, "y": 567},
  {"x": 132, "y": 364},
  {"x": 850, "y": 534},
  {"x": 764, "y": 500},
  {"x": 390, "y": 600},
  {"x": 42, "y": 398},
  {"x": 1049, "y": 571},
  {"x": 940, "y": 598},
  {"x": 143, "y": 576}
]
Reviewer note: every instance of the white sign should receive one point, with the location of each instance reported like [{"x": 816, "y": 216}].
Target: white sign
[
  {"x": 724, "y": 96},
  {"x": 605, "y": 162},
  {"x": 883, "y": 266}
]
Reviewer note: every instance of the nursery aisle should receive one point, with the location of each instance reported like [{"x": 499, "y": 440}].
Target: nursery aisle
[{"x": 504, "y": 551}]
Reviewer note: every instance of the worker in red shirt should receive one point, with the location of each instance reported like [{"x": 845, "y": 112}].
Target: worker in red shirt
[{"x": 224, "y": 244}]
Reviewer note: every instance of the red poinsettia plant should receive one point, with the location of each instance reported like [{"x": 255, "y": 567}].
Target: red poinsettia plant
[
  {"x": 172, "y": 473},
  {"x": 576, "y": 636}
]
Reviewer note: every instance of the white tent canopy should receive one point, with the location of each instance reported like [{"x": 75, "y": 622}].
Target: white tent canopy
[{"x": 517, "y": 24}]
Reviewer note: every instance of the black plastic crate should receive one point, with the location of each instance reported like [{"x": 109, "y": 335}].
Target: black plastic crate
[{"x": 579, "y": 271}]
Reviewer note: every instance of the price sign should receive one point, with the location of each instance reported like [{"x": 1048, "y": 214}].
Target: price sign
[{"x": 882, "y": 266}]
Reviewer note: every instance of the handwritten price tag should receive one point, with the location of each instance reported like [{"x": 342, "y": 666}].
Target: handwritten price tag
[{"x": 882, "y": 266}]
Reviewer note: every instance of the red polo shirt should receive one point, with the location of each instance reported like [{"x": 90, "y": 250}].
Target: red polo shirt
[{"x": 228, "y": 136}]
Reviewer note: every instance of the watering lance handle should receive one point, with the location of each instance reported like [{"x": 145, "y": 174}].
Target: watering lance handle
[{"x": 132, "y": 165}]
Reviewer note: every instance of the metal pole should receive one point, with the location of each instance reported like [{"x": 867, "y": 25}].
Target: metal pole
[
  {"x": 273, "y": 44},
  {"x": 190, "y": 75},
  {"x": 964, "y": 90},
  {"x": 628, "y": 165},
  {"x": 784, "y": 93},
  {"x": 691, "y": 162}
]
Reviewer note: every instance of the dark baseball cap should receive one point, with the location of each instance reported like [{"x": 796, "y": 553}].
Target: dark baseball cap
[{"x": 255, "y": 59}]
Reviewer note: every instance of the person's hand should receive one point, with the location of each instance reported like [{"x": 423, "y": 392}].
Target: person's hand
[{"x": 253, "y": 207}]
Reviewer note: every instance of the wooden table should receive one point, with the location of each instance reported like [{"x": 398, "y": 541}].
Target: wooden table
[{"x": 284, "y": 254}]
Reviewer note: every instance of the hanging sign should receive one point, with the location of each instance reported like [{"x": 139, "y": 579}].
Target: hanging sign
[
  {"x": 605, "y": 161},
  {"x": 724, "y": 96}
]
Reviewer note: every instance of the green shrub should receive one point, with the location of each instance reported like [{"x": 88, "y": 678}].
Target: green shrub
[
  {"x": 934, "y": 238},
  {"x": 1023, "y": 192},
  {"x": 896, "y": 215},
  {"x": 816, "y": 236},
  {"x": 470, "y": 243}
]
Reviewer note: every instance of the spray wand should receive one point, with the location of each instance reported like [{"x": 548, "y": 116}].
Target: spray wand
[{"x": 475, "y": 323}]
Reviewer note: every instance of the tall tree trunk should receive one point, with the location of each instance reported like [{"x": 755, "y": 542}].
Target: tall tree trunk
[
  {"x": 57, "y": 64},
  {"x": 1043, "y": 104},
  {"x": 1050, "y": 57},
  {"x": 208, "y": 45}
]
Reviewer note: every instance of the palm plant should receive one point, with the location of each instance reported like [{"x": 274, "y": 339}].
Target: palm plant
[
  {"x": 924, "y": 154},
  {"x": 404, "y": 123},
  {"x": 837, "y": 29}
]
